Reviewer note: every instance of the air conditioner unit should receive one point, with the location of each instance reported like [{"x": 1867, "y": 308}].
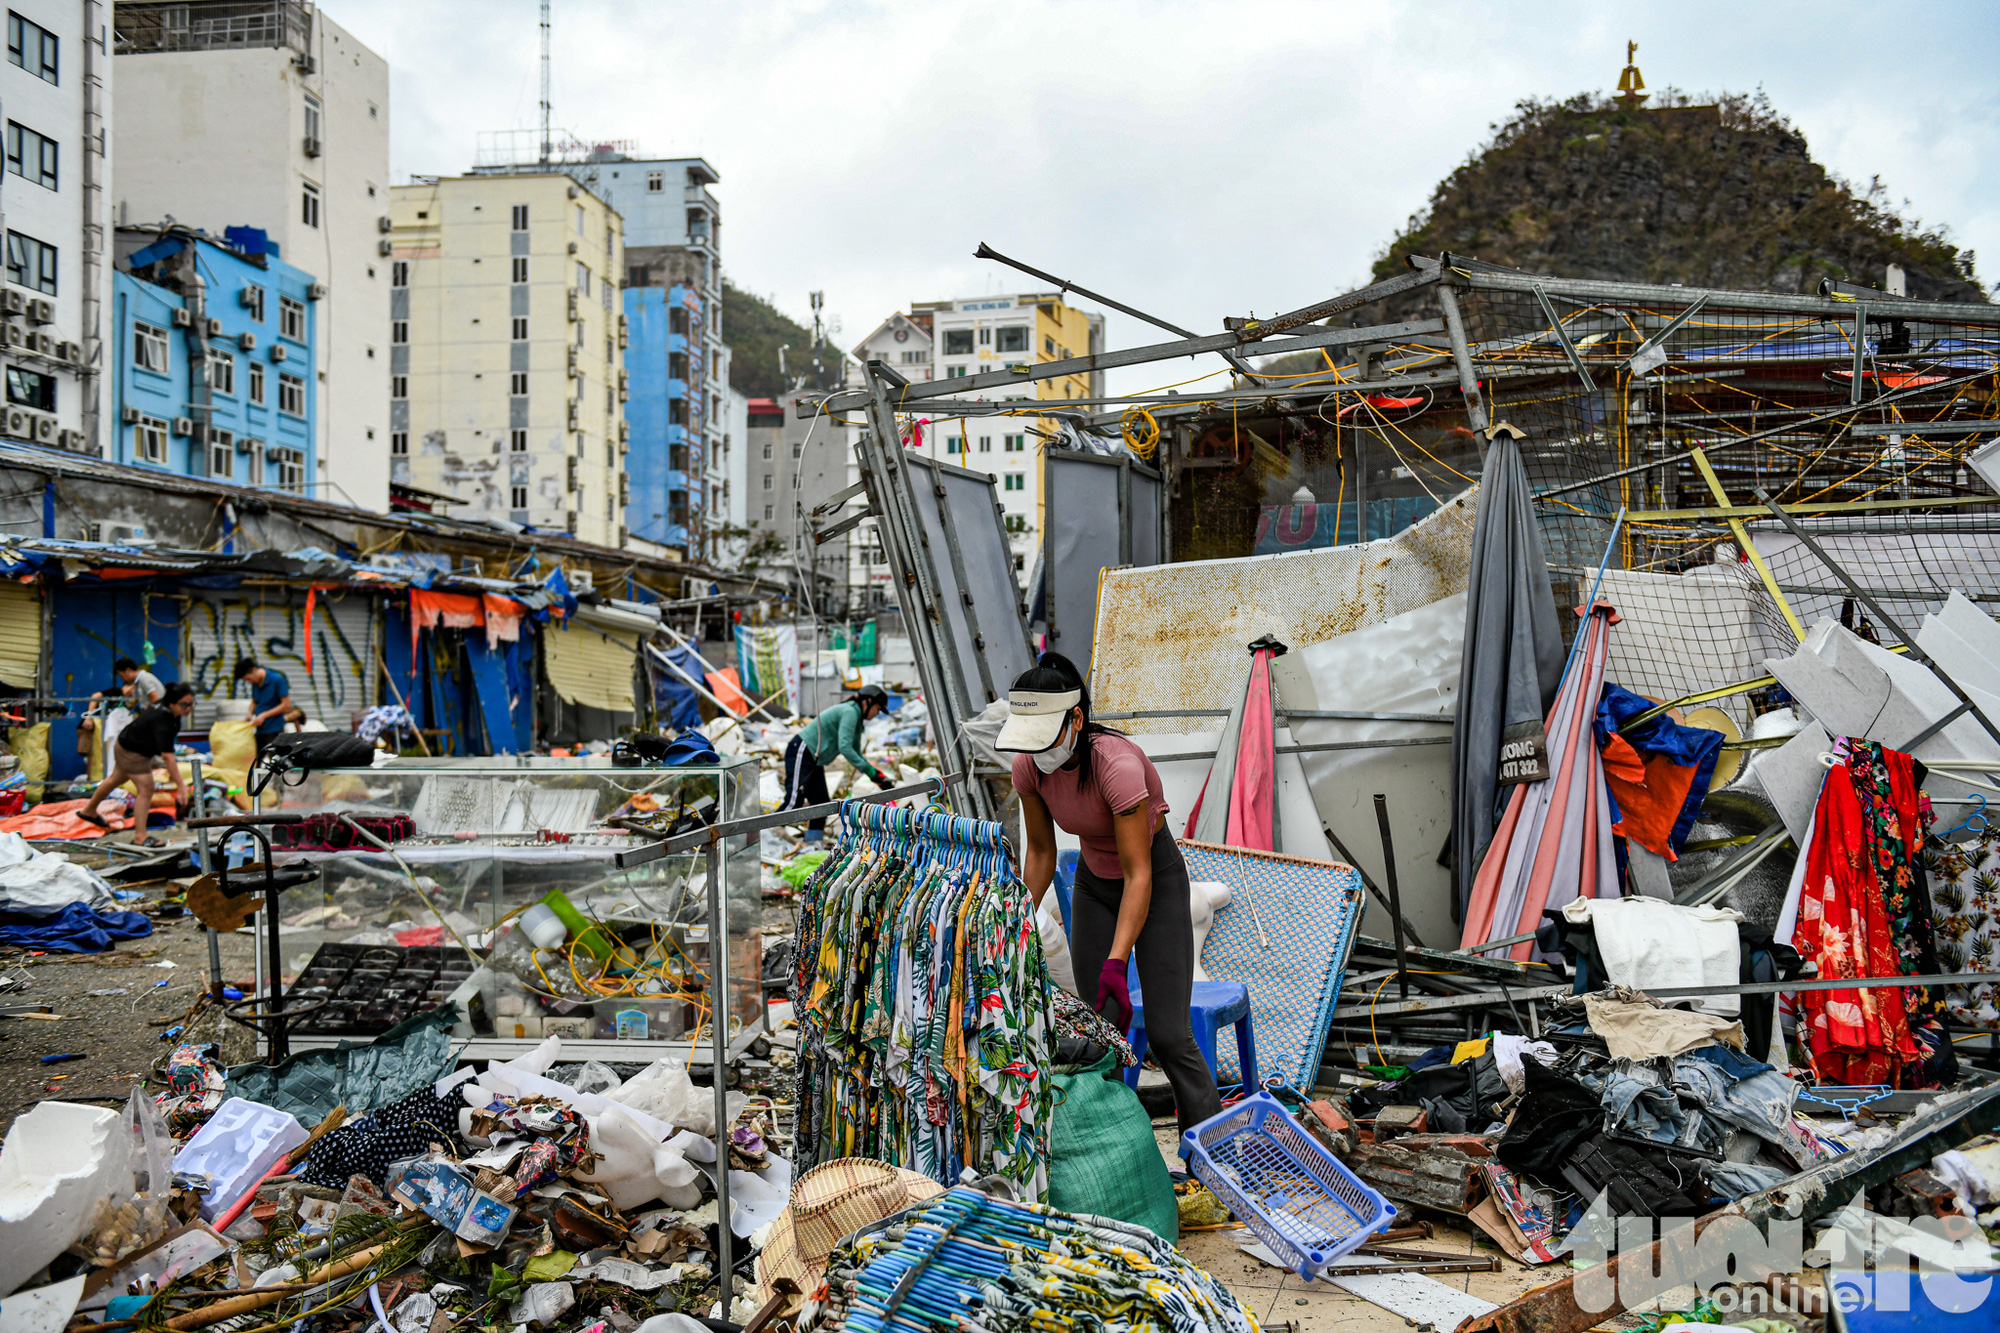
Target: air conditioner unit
[
  {"x": 20, "y": 423},
  {"x": 574, "y": 306},
  {"x": 279, "y": 352},
  {"x": 385, "y": 247},
  {"x": 572, "y": 247},
  {"x": 69, "y": 353},
  {"x": 246, "y": 297},
  {"x": 214, "y": 327},
  {"x": 575, "y": 413},
  {"x": 246, "y": 445},
  {"x": 624, "y": 488},
  {"x": 121, "y": 533},
  {"x": 182, "y": 426},
  {"x": 316, "y": 292},
  {"x": 624, "y": 536},
  {"x": 572, "y": 363},
  {"x": 569, "y": 523},
  {"x": 183, "y": 318},
  {"x": 311, "y": 146},
  {"x": 46, "y": 428},
  {"x": 129, "y": 415},
  {"x": 41, "y": 311},
  {"x": 385, "y": 223},
  {"x": 247, "y": 341},
  {"x": 569, "y": 483},
  {"x": 574, "y": 191},
  {"x": 13, "y": 302},
  {"x": 13, "y": 335},
  {"x": 69, "y": 439},
  {"x": 42, "y": 344},
  {"x": 624, "y": 431}
]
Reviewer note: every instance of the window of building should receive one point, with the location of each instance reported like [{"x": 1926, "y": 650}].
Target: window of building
[
  {"x": 656, "y": 182},
  {"x": 1016, "y": 481},
  {"x": 1017, "y": 522},
  {"x": 770, "y": 482},
  {"x": 517, "y": 440},
  {"x": 916, "y": 358},
  {"x": 291, "y": 319},
  {"x": 149, "y": 440},
  {"x": 798, "y": 447},
  {"x": 1013, "y": 338},
  {"x": 1016, "y": 444},
  {"x": 520, "y": 268},
  {"x": 520, "y": 217},
  {"x": 954, "y": 372},
  {"x": 288, "y": 469},
  {"x": 519, "y": 497},
  {"x": 986, "y": 444},
  {"x": 252, "y": 300},
  {"x": 604, "y": 290},
  {"x": 958, "y": 342},
  {"x": 399, "y": 442},
  {"x": 256, "y": 381},
  {"x": 149, "y": 348},
  {"x": 399, "y": 330},
  {"x": 32, "y": 47},
  {"x": 221, "y": 453},
  {"x": 399, "y": 385},
  {"x": 309, "y": 204},
  {"x": 767, "y": 449},
  {"x": 767, "y": 513},
  {"x": 312, "y": 120},
  {"x": 951, "y": 444},
  {"x": 517, "y": 383},
  {"x": 1048, "y": 344},
  {"x": 31, "y": 388},
  {"x": 677, "y": 320},
  {"x": 580, "y": 226},
  {"x": 399, "y": 273},
  {"x": 31, "y": 263},
  {"x": 583, "y": 279},
  {"x": 30, "y": 155},
  {"x": 292, "y": 394},
  {"x": 520, "y": 328},
  {"x": 221, "y": 372}
]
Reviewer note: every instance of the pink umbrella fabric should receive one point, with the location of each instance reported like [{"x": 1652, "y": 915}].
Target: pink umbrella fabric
[
  {"x": 1554, "y": 842},
  {"x": 1236, "y": 802}
]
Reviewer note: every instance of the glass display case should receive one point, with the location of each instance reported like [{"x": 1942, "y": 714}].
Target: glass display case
[{"x": 504, "y": 888}]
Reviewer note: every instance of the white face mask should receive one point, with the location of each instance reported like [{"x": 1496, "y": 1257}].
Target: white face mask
[{"x": 1056, "y": 755}]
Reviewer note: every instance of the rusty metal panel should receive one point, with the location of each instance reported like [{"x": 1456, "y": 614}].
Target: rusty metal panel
[{"x": 1173, "y": 636}]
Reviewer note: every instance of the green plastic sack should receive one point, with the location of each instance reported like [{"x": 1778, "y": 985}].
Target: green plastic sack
[{"x": 1103, "y": 1158}]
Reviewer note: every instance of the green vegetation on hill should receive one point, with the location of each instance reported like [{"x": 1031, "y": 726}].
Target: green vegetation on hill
[
  {"x": 755, "y": 329},
  {"x": 1723, "y": 194}
]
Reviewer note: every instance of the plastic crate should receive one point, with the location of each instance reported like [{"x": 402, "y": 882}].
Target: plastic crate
[{"x": 1281, "y": 1183}]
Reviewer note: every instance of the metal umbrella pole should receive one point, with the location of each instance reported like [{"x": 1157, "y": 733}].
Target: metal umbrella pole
[{"x": 718, "y": 952}]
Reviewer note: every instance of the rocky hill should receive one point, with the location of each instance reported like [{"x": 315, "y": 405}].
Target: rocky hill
[
  {"x": 1722, "y": 194},
  {"x": 755, "y": 329}
]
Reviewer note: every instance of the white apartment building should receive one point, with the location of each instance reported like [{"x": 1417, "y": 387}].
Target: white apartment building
[
  {"x": 55, "y": 89},
  {"x": 508, "y": 335},
  {"x": 266, "y": 113},
  {"x": 976, "y": 335}
]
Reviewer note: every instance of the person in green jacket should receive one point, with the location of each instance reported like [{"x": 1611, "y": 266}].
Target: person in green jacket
[{"x": 837, "y": 731}]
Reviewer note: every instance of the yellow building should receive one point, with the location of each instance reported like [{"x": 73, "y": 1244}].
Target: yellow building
[{"x": 506, "y": 329}]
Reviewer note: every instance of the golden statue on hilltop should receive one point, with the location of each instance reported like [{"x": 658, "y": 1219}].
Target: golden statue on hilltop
[{"x": 1631, "y": 83}]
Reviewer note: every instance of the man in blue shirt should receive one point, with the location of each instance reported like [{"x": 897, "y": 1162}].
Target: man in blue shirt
[{"x": 270, "y": 699}]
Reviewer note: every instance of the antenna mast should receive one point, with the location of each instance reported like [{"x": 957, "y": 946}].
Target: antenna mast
[{"x": 546, "y": 145}]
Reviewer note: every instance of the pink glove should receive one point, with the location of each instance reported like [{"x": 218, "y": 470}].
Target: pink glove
[{"x": 1114, "y": 995}]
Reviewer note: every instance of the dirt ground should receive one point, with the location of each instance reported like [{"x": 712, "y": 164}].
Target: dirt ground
[{"x": 118, "y": 1035}]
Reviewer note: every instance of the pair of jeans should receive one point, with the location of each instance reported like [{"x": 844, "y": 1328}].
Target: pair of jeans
[{"x": 1164, "y": 955}]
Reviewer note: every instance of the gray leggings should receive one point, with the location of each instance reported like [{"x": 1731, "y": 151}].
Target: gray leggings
[{"x": 1165, "y": 958}]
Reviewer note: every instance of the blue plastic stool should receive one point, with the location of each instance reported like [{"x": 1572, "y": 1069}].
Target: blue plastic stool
[
  {"x": 1213, "y": 1006},
  {"x": 1065, "y": 883}
]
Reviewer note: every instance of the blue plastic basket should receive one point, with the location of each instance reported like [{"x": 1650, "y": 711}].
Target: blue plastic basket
[{"x": 1302, "y": 1203}]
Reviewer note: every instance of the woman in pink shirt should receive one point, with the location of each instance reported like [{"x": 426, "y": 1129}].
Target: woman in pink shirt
[{"x": 1131, "y": 899}]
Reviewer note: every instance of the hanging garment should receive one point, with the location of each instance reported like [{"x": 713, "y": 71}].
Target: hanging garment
[
  {"x": 1658, "y": 772},
  {"x": 923, "y": 1002},
  {"x": 1853, "y": 1036}
]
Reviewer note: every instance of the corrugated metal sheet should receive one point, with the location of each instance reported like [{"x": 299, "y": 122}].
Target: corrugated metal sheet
[
  {"x": 20, "y": 634},
  {"x": 591, "y": 663},
  {"x": 1175, "y": 636},
  {"x": 269, "y": 625}
]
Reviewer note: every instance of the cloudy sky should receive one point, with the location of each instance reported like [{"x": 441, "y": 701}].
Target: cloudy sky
[{"x": 1194, "y": 159}]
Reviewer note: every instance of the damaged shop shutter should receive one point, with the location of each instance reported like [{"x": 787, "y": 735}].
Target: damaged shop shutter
[
  {"x": 590, "y": 662},
  {"x": 20, "y": 635},
  {"x": 269, "y": 625}
]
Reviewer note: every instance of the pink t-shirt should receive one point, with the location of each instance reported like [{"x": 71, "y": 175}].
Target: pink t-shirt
[{"x": 1120, "y": 777}]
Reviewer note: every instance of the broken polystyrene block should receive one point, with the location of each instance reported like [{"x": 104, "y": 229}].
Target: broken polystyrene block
[
  {"x": 240, "y": 1143},
  {"x": 58, "y": 1161}
]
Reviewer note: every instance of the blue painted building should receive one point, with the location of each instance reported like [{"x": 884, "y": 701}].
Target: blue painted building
[
  {"x": 248, "y": 417},
  {"x": 666, "y": 362}
]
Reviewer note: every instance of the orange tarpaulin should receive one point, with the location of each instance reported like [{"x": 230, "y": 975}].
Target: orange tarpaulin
[
  {"x": 728, "y": 688},
  {"x": 503, "y": 618},
  {"x": 454, "y": 610}
]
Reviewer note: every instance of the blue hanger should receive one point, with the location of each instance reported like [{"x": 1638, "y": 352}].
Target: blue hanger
[{"x": 1975, "y": 824}]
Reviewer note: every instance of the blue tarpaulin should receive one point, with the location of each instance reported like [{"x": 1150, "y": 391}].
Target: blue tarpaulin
[
  {"x": 674, "y": 698},
  {"x": 77, "y": 929},
  {"x": 489, "y": 678}
]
